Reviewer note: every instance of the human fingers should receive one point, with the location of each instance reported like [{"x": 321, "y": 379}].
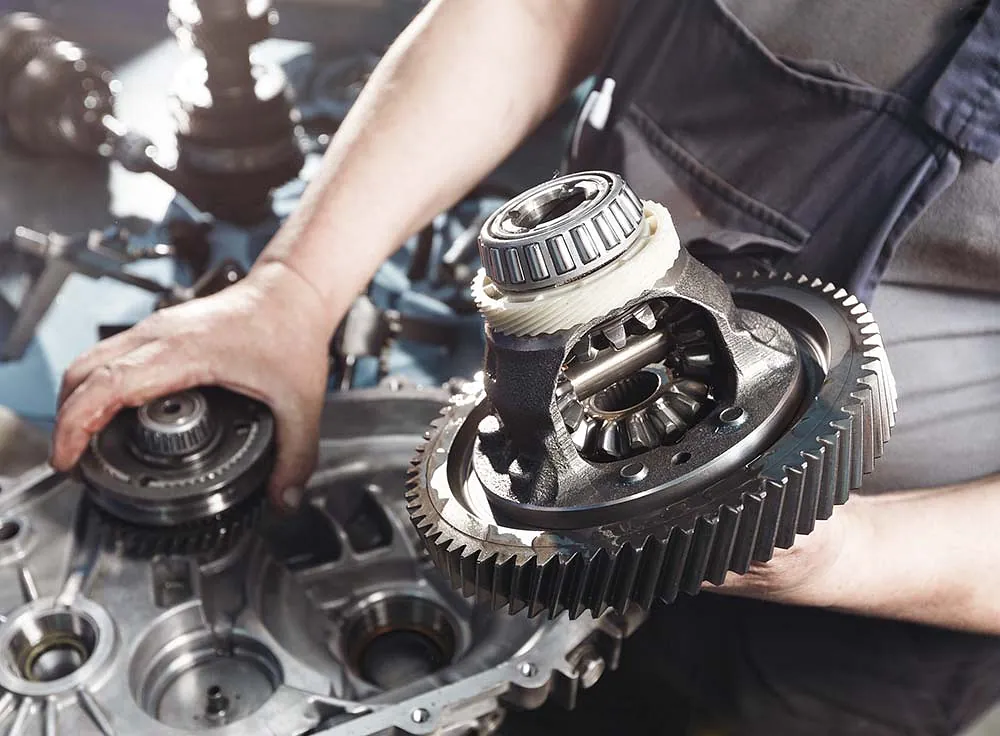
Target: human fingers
[{"x": 143, "y": 374}]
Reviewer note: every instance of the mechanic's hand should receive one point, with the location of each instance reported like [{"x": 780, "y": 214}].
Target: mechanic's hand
[
  {"x": 266, "y": 337},
  {"x": 817, "y": 570}
]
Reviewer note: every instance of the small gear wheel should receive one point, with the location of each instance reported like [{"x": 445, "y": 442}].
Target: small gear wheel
[
  {"x": 797, "y": 403},
  {"x": 210, "y": 537},
  {"x": 183, "y": 474}
]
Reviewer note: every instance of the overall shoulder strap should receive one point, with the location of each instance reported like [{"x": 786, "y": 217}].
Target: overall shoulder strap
[{"x": 964, "y": 103}]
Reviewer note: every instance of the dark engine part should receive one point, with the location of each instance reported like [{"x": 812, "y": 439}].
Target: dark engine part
[
  {"x": 184, "y": 473},
  {"x": 54, "y": 94},
  {"x": 643, "y": 426},
  {"x": 236, "y": 132},
  {"x": 235, "y": 125}
]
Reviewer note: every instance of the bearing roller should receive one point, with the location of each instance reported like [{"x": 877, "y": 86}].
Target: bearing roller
[
  {"x": 558, "y": 232},
  {"x": 627, "y": 456},
  {"x": 182, "y": 473}
]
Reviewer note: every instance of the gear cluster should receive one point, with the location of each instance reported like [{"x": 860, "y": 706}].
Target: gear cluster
[
  {"x": 684, "y": 433},
  {"x": 645, "y": 408},
  {"x": 181, "y": 474}
]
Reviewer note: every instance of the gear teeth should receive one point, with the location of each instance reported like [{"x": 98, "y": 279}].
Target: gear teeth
[
  {"x": 651, "y": 555},
  {"x": 749, "y": 527},
  {"x": 573, "y": 414},
  {"x": 809, "y": 506},
  {"x": 790, "y": 511},
  {"x": 609, "y": 440},
  {"x": 773, "y": 494},
  {"x": 615, "y": 334},
  {"x": 784, "y": 497},
  {"x": 211, "y": 537},
  {"x": 645, "y": 317},
  {"x": 585, "y": 435},
  {"x": 722, "y": 547},
  {"x": 678, "y": 545},
  {"x": 673, "y": 424},
  {"x": 641, "y": 432}
]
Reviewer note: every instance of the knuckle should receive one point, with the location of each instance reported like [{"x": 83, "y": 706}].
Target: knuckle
[{"x": 111, "y": 376}]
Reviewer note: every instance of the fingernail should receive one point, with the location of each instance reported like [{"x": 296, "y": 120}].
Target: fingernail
[{"x": 291, "y": 498}]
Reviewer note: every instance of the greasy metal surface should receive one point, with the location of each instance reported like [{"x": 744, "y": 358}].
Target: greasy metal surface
[{"x": 276, "y": 612}]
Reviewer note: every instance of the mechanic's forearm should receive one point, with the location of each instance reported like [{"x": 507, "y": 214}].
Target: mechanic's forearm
[
  {"x": 926, "y": 556},
  {"x": 456, "y": 93}
]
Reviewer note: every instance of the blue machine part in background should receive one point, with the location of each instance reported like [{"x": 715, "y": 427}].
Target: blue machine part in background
[{"x": 73, "y": 196}]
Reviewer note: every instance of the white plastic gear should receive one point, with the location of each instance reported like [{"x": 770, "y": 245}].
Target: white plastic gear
[{"x": 595, "y": 295}]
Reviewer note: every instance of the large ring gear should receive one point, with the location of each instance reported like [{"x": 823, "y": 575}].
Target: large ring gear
[
  {"x": 181, "y": 474},
  {"x": 642, "y": 425}
]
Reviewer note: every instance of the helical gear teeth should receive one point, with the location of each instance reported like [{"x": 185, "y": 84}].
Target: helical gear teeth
[
  {"x": 749, "y": 528},
  {"x": 624, "y": 577},
  {"x": 809, "y": 511},
  {"x": 576, "y": 576},
  {"x": 788, "y": 526},
  {"x": 722, "y": 548},
  {"x": 773, "y": 501},
  {"x": 678, "y": 545},
  {"x": 648, "y": 576},
  {"x": 696, "y": 565},
  {"x": 209, "y": 538}
]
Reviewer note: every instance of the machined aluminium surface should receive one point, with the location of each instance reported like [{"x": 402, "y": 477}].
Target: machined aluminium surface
[
  {"x": 615, "y": 458},
  {"x": 330, "y": 620}
]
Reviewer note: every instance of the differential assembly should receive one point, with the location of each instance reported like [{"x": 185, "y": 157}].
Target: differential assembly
[
  {"x": 642, "y": 425},
  {"x": 183, "y": 473}
]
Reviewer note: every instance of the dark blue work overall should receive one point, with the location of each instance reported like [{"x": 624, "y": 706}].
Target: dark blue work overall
[{"x": 797, "y": 166}]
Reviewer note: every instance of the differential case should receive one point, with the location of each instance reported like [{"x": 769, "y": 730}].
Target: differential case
[{"x": 641, "y": 426}]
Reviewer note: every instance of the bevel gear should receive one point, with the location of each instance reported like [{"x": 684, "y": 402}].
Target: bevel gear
[
  {"x": 730, "y": 417},
  {"x": 182, "y": 474}
]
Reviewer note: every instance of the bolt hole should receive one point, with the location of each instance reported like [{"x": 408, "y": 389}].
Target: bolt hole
[
  {"x": 145, "y": 481},
  {"x": 731, "y": 414},
  {"x": 680, "y": 458},
  {"x": 171, "y": 407},
  {"x": 214, "y": 691},
  {"x": 9, "y": 529}
]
